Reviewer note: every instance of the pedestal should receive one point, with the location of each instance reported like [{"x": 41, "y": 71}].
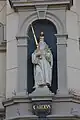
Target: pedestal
[
  {"x": 41, "y": 93},
  {"x": 41, "y": 101}
]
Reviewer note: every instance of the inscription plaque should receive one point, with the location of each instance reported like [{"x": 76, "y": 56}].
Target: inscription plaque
[{"x": 41, "y": 108}]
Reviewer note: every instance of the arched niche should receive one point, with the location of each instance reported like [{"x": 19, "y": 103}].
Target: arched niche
[
  {"x": 49, "y": 30},
  {"x": 23, "y": 39}
]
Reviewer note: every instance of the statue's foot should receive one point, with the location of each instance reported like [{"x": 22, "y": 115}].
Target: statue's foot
[
  {"x": 42, "y": 85},
  {"x": 47, "y": 84}
]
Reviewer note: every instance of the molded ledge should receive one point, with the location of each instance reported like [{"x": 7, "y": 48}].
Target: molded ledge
[
  {"x": 29, "y": 3},
  {"x": 28, "y": 99},
  {"x": 3, "y": 46},
  {"x": 63, "y": 117},
  {"x": 21, "y": 37},
  {"x": 16, "y": 99},
  {"x": 31, "y": 117},
  {"x": 61, "y": 35}
]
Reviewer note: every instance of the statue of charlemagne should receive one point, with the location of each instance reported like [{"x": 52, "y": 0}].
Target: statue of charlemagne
[{"x": 43, "y": 62}]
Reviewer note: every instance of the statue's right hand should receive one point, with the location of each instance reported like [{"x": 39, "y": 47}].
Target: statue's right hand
[{"x": 38, "y": 54}]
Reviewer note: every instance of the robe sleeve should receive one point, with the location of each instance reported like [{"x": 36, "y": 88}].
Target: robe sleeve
[
  {"x": 49, "y": 56},
  {"x": 34, "y": 58}
]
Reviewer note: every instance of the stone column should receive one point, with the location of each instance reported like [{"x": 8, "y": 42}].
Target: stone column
[
  {"x": 62, "y": 64},
  {"x": 22, "y": 64}
]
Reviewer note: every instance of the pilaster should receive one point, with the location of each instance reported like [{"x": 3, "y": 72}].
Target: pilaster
[
  {"x": 61, "y": 63},
  {"x": 22, "y": 64}
]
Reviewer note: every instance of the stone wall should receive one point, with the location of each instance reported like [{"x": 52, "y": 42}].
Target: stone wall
[
  {"x": 73, "y": 47},
  {"x": 73, "y": 51}
]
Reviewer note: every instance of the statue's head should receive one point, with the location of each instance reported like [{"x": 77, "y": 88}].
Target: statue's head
[{"x": 42, "y": 36}]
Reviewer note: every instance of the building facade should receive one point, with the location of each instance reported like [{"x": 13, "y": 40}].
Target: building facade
[{"x": 60, "y": 22}]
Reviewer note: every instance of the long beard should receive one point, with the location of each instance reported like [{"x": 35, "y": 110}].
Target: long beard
[{"x": 42, "y": 45}]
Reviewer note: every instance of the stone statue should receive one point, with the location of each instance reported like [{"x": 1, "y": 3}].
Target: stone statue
[{"x": 43, "y": 62}]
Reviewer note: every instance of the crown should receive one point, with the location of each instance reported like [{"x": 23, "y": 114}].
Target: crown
[{"x": 42, "y": 35}]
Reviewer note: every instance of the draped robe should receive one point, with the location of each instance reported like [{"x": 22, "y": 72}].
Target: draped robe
[{"x": 42, "y": 65}]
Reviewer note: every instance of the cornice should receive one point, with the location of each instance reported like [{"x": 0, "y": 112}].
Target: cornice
[
  {"x": 27, "y": 117},
  {"x": 26, "y": 99},
  {"x": 16, "y": 4},
  {"x": 64, "y": 117},
  {"x": 16, "y": 99}
]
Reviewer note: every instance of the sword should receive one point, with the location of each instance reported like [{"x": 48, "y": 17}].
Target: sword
[{"x": 34, "y": 36}]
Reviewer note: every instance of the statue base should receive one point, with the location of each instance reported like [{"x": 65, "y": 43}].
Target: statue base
[
  {"x": 41, "y": 101},
  {"x": 41, "y": 93}
]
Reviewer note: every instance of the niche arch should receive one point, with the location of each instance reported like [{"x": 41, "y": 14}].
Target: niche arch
[{"x": 25, "y": 23}]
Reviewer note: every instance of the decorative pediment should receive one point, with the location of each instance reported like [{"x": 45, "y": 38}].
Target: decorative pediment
[{"x": 16, "y": 4}]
